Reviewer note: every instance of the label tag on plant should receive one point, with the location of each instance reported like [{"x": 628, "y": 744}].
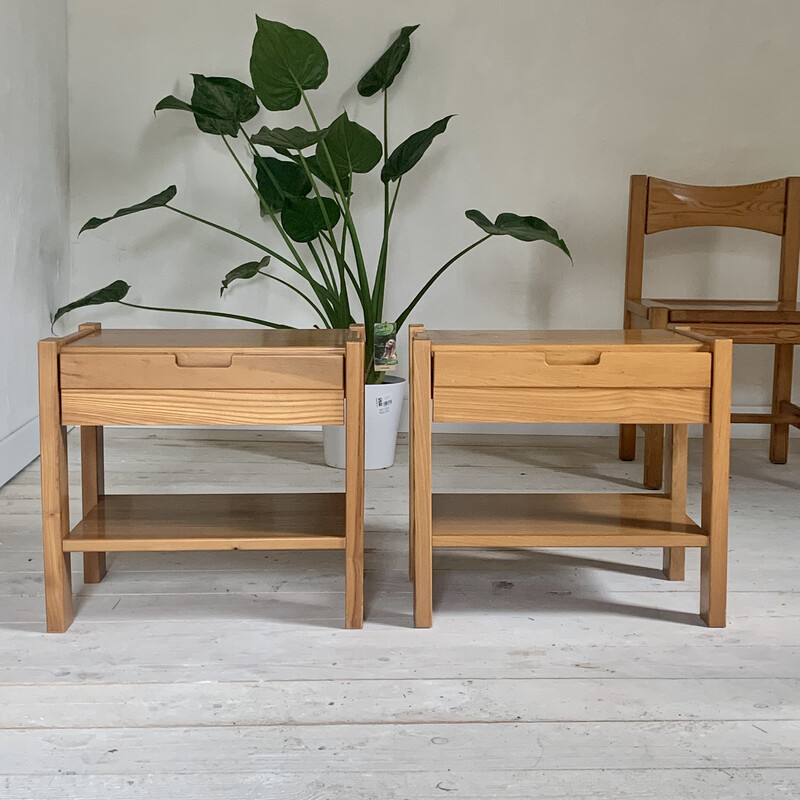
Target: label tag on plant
[{"x": 385, "y": 353}]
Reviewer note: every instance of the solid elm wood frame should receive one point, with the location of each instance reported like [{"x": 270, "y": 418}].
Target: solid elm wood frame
[
  {"x": 92, "y": 378},
  {"x": 772, "y": 207},
  {"x": 573, "y": 376}
]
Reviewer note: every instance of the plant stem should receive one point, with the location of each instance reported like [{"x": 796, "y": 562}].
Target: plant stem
[
  {"x": 321, "y": 268},
  {"x": 331, "y": 286},
  {"x": 380, "y": 273},
  {"x": 410, "y": 307},
  {"x": 328, "y": 264},
  {"x": 263, "y": 322},
  {"x": 344, "y": 267},
  {"x": 289, "y": 243},
  {"x": 260, "y": 246},
  {"x": 310, "y": 176},
  {"x": 363, "y": 280},
  {"x": 322, "y": 292},
  {"x": 297, "y": 291},
  {"x": 339, "y": 256},
  {"x": 380, "y": 277}
]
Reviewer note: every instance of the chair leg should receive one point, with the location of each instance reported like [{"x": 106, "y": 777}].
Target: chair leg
[
  {"x": 781, "y": 392},
  {"x": 653, "y": 456},
  {"x": 627, "y": 433}
]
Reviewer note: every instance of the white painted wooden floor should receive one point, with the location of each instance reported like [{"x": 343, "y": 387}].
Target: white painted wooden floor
[{"x": 547, "y": 674}]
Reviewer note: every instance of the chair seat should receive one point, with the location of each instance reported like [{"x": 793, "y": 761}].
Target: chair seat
[{"x": 729, "y": 312}]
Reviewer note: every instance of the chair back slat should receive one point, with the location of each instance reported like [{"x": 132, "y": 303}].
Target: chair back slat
[{"x": 756, "y": 206}]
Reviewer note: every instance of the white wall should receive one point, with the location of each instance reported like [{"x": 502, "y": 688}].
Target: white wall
[
  {"x": 33, "y": 208},
  {"x": 558, "y": 102}
]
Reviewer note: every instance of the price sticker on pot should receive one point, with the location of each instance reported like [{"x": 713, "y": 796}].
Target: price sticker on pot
[{"x": 385, "y": 352}]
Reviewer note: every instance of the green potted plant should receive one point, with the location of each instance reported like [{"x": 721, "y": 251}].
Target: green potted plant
[{"x": 303, "y": 180}]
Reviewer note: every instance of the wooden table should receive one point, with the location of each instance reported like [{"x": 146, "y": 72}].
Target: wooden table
[
  {"x": 638, "y": 376},
  {"x": 101, "y": 377}
]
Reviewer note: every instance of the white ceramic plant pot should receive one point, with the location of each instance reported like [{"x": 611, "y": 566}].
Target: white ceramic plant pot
[{"x": 382, "y": 407}]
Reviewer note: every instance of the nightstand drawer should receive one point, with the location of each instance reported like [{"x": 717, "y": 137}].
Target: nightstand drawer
[
  {"x": 572, "y": 368},
  {"x": 201, "y": 370},
  {"x": 641, "y": 406},
  {"x": 202, "y": 407}
]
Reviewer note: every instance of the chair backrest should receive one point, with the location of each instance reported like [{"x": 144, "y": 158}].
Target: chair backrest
[{"x": 658, "y": 205}]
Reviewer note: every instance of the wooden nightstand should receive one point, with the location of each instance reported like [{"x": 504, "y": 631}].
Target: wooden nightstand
[
  {"x": 196, "y": 377},
  {"x": 645, "y": 377}
]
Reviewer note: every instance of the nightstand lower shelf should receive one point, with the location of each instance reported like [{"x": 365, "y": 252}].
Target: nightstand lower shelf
[
  {"x": 211, "y": 522},
  {"x": 561, "y": 520}
]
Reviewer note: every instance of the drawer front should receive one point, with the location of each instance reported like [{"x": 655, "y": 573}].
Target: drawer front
[
  {"x": 654, "y": 406},
  {"x": 618, "y": 369},
  {"x": 201, "y": 370},
  {"x": 201, "y": 407}
]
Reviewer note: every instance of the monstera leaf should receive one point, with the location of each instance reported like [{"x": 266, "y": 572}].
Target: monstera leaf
[
  {"x": 219, "y": 105},
  {"x": 406, "y": 155},
  {"x": 350, "y": 146},
  {"x": 284, "y": 62},
  {"x": 526, "y": 229},
  {"x": 112, "y": 293},
  {"x": 303, "y": 220},
  {"x": 292, "y": 139},
  {"x": 243, "y": 272},
  {"x": 382, "y": 73},
  {"x": 156, "y": 201},
  {"x": 277, "y": 180}
]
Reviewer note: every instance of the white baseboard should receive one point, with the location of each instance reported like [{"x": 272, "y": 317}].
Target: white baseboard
[{"x": 18, "y": 449}]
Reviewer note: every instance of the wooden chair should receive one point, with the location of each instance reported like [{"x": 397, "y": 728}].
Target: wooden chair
[{"x": 773, "y": 207}]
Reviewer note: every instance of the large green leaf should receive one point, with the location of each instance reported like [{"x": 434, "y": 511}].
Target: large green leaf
[
  {"x": 156, "y": 201},
  {"x": 382, "y": 73},
  {"x": 112, "y": 293},
  {"x": 407, "y": 154},
  {"x": 173, "y": 103},
  {"x": 291, "y": 180},
  {"x": 284, "y": 62},
  {"x": 526, "y": 229},
  {"x": 351, "y": 147},
  {"x": 223, "y": 103},
  {"x": 243, "y": 272},
  {"x": 219, "y": 105},
  {"x": 303, "y": 220},
  {"x": 291, "y": 139}
]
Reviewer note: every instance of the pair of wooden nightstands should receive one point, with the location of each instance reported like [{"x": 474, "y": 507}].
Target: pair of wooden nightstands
[{"x": 221, "y": 377}]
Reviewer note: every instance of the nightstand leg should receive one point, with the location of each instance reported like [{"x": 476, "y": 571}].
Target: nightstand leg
[
  {"x": 675, "y": 479},
  {"x": 92, "y": 485},
  {"x": 412, "y": 330},
  {"x": 653, "y": 456},
  {"x": 55, "y": 493},
  {"x": 627, "y": 442},
  {"x": 411, "y": 490},
  {"x": 354, "y": 485},
  {"x": 422, "y": 512},
  {"x": 716, "y": 469}
]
